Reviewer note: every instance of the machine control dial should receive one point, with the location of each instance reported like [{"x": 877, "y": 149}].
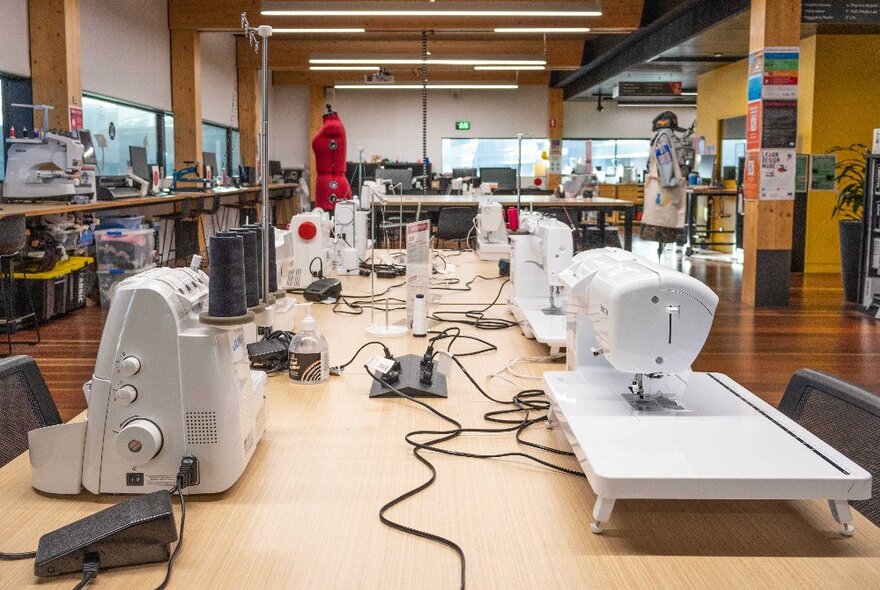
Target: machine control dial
[
  {"x": 139, "y": 441},
  {"x": 125, "y": 395},
  {"x": 129, "y": 366}
]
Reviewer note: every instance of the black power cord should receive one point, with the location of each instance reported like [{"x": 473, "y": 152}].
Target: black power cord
[
  {"x": 187, "y": 475},
  {"x": 338, "y": 369},
  {"x": 91, "y": 565},
  {"x": 17, "y": 556},
  {"x": 477, "y": 317}
]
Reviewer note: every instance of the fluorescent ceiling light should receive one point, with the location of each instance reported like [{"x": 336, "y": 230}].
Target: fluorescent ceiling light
[
  {"x": 430, "y": 86},
  {"x": 505, "y": 67},
  {"x": 317, "y": 31},
  {"x": 656, "y": 105},
  {"x": 544, "y": 30},
  {"x": 688, "y": 93},
  {"x": 346, "y": 68},
  {"x": 432, "y": 61},
  {"x": 438, "y": 12}
]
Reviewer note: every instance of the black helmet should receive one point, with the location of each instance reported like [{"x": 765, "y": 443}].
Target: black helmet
[{"x": 666, "y": 120}]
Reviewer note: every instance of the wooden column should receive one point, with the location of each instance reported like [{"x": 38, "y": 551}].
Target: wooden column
[
  {"x": 555, "y": 102},
  {"x": 186, "y": 96},
  {"x": 248, "y": 114},
  {"x": 55, "y": 58},
  {"x": 768, "y": 223},
  {"x": 316, "y": 118}
]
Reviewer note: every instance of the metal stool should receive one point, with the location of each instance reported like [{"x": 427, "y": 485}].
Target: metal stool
[
  {"x": 171, "y": 219},
  {"x": 13, "y": 237}
]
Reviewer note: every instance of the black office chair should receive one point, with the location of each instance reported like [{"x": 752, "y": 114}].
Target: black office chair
[
  {"x": 566, "y": 216},
  {"x": 456, "y": 223},
  {"x": 844, "y": 416},
  {"x": 171, "y": 221},
  {"x": 589, "y": 238},
  {"x": 13, "y": 237},
  {"x": 25, "y": 404}
]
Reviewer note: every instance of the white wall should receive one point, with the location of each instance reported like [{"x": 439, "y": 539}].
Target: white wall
[
  {"x": 15, "y": 56},
  {"x": 126, "y": 50},
  {"x": 388, "y": 123},
  {"x": 219, "y": 79},
  {"x": 289, "y": 140},
  {"x": 582, "y": 120}
]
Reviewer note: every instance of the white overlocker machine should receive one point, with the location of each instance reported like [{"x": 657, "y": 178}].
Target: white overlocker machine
[
  {"x": 311, "y": 249},
  {"x": 643, "y": 425},
  {"x": 537, "y": 299},
  {"x": 43, "y": 168},
  {"x": 492, "y": 242},
  {"x": 165, "y": 385}
]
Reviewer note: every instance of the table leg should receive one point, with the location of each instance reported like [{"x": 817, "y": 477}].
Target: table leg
[
  {"x": 628, "y": 229},
  {"x": 602, "y": 513},
  {"x": 843, "y": 515},
  {"x": 600, "y": 221}
]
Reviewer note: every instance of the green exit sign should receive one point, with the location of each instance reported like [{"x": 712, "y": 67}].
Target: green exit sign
[{"x": 462, "y": 125}]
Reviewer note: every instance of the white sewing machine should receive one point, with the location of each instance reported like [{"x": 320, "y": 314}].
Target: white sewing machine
[
  {"x": 165, "y": 385},
  {"x": 536, "y": 261},
  {"x": 311, "y": 247},
  {"x": 46, "y": 168},
  {"x": 492, "y": 242},
  {"x": 349, "y": 236},
  {"x": 642, "y": 425}
]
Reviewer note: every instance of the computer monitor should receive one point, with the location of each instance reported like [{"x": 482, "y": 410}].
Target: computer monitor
[
  {"x": 89, "y": 155},
  {"x": 464, "y": 172},
  {"x": 275, "y": 168},
  {"x": 505, "y": 178},
  {"x": 706, "y": 168},
  {"x": 137, "y": 156},
  {"x": 209, "y": 159},
  {"x": 396, "y": 176}
]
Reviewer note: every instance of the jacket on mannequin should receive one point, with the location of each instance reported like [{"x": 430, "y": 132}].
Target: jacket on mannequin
[{"x": 329, "y": 145}]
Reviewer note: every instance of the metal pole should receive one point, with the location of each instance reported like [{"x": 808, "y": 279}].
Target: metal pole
[
  {"x": 265, "y": 32},
  {"x": 519, "y": 137}
]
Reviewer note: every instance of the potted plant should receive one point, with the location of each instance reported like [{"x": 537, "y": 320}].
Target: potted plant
[{"x": 849, "y": 209}]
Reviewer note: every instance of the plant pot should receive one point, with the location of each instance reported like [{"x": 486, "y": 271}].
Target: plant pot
[{"x": 850, "y": 257}]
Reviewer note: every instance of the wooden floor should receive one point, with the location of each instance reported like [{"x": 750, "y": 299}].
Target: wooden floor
[{"x": 758, "y": 348}]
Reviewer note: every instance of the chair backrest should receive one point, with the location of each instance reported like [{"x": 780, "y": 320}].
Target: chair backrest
[
  {"x": 455, "y": 223},
  {"x": 25, "y": 404},
  {"x": 13, "y": 234},
  {"x": 844, "y": 416},
  {"x": 215, "y": 205}
]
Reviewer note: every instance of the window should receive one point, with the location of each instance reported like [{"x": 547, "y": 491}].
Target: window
[
  {"x": 492, "y": 153},
  {"x": 609, "y": 155},
  {"x": 3, "y": 133},
  {"x": 168, "y": 130},
  {"x": 236, "y": 151},
  {"x": 214, "y": 142},
  {"x": 120, "y": 126}
]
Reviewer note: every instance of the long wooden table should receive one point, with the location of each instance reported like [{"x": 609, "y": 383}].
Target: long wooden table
[
  {"x": 600, "y": 205},
  {"x": 46, "y": 207},
  {"x": 305, "y": 512}
]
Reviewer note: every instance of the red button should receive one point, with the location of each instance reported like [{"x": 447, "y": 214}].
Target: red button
[{"x": 307, "y": 230}]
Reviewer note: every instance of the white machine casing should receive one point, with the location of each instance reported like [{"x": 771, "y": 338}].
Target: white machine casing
[
  {"x": 43, "y": 168},
  {"x": 371, "y": 188},
  {"x": 311, "y": 243},
  {"x": 166, "y": 385},
  {"x": 349, "y": 237},
  {"x": 646, "y": 317},
  {"x": 539, "y": 257},
  {"x": 492, "y": 242}
]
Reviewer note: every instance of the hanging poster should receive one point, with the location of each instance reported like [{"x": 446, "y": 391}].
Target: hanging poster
[
  {"x": 777, "y": 175},
  {"x": 802, "y": 173},
  {"x": 822, "y": 172}
]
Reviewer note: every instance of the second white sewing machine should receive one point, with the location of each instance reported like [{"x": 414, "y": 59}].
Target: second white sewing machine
[{"x": 642, "y": 425}]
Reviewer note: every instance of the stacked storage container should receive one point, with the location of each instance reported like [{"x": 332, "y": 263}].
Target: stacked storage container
[{"x": 122, "y": 253}]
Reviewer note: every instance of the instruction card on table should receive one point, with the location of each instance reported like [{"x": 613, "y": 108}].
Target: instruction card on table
[{"x": 418, "y": 263}]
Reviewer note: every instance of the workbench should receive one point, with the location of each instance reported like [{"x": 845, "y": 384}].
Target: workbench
[
  {"x": 305, "y": 512},
  {"x": 702, "y": 236},
  {"x": 47, "y": 207},
  {"x": 601, "y": 206}
]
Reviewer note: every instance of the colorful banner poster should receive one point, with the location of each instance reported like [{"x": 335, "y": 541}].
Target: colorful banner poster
[
  {"x": 802, "y": 173},
  {"x": 777, "y": 175}
]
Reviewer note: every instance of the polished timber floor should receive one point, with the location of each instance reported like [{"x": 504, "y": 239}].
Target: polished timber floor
[{"x": 758, "y": 348}]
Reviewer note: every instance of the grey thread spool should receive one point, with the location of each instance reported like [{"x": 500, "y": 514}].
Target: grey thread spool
[
  {"x": 251, "y": 265},
  {"x": 273, "y": 261},
  {"x": 256, "y": 227},
  {"x": 226, "y": 294}
]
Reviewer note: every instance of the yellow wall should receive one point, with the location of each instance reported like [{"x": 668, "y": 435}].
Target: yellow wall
[
  {"x": 721, "y": 94},
  {"x": 838, "y": 86}
]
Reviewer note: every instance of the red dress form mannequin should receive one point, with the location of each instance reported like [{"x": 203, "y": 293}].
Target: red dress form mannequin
[{"x": 329, "y": 146}]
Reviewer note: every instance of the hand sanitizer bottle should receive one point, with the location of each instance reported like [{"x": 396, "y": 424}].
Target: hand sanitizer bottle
[{"x": 308, "y": 353}]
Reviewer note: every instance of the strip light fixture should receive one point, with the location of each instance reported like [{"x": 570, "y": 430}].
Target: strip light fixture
[
  {"x": 318, "y": 31},
  {"x": 430, "y": 62},
  {"x": 345, "y": 68},
  {"x": 506, "y": 68},
  {"x": 430, "y": 86},
  {"x": 548, "y": 30},
  {"x": 435, "y": 12}
]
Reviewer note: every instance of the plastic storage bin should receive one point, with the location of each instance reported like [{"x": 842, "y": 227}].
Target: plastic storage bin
[
  {"x": 122, "y": 222},
  {"x": 108, "y": 279},
  {"x": 125, "y": 249},
  {"x": 59, "y": 291}
]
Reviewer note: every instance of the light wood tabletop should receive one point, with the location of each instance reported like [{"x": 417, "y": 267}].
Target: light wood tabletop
[
  {"x": 305, "y": 512},
  {"x": 510, "y": 200},
  {"x": 38, "y": 209}
]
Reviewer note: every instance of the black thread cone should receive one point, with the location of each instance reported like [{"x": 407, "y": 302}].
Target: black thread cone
[
  {"x": 251, "y": 265},
  {"x": 227, "y": 295}
]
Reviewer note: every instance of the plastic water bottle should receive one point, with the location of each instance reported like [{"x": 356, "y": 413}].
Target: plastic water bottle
[{"x": 308, "y": 353}]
